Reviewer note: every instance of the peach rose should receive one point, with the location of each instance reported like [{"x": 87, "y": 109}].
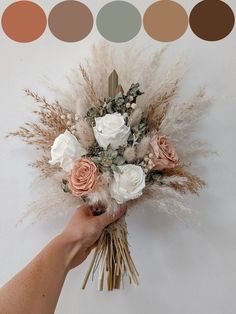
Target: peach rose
[
  {"x": 162, "y": 154},
  {"x": 83, "y": 177}
]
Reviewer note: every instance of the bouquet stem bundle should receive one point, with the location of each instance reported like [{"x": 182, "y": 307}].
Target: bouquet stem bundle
[{"x": 112, "y": 259}]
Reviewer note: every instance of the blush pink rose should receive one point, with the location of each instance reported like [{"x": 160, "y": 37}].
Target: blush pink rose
[
  {"x": 162, "y": 153},
  {"x": 83, "y": 177}
]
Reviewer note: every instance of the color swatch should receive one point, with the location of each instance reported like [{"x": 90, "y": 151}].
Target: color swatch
[
  {"x": 119, "y": 21},
  {"x": 212, "y": 20},
  {"x": 165, "y": 21},
  {"x": 24, "y": 21},
  {"x": 70, "y": 21}
]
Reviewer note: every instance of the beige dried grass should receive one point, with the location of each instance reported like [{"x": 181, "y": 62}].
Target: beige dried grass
[{"x": 112, "y": 259}]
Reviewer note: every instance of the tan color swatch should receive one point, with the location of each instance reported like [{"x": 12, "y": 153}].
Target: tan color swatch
[
  {"x": 70, "y": 21},
  {"x": 165, "y": 21},
  {"x": 24, "y": 21},
  {"x": 212, "y": 20}
]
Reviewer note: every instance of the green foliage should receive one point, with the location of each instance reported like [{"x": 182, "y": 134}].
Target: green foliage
[
  {"x": 108, "y": 159},
  {"x": 119, "y": 102},
  {"x": 64, "y": 186}
]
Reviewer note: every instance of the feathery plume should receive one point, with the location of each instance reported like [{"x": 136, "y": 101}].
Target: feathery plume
[
  {"x": 130, "y": 154},
  {"x": 142, "y": 147},
  {"x": 135, "y": 117},
  {"x": 85, "y": 133}
]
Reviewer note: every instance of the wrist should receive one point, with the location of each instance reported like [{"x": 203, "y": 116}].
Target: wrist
[{"x": 69, "y": 248}]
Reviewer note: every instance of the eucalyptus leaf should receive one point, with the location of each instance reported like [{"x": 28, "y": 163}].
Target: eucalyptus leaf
[
  {"x": 119, "y": 160},
  {"x": 114, "y": 168}
]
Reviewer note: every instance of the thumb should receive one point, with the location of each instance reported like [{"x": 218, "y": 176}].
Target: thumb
[{"x": 108, "y": 218}]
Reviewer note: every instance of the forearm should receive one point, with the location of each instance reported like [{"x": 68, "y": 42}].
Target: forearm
[{"x": 36, "y": 288}]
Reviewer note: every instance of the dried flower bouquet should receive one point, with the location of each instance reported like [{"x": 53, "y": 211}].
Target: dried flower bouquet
[{"x": 113, "y": 144}]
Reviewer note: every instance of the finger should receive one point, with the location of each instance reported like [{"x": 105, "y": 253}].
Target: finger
[{"x": 108, "y": 217}]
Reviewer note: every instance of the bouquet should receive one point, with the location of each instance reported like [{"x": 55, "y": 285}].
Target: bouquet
[{"x": 111, "y": 140}]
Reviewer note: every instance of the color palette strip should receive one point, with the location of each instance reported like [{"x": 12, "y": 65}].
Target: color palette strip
[{"x": 118, "y": 21}]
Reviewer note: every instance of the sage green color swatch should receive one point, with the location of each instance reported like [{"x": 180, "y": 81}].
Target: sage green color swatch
[{"x": 119, "y": 21}]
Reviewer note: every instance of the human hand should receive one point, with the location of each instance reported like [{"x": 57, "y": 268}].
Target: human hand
[{"x": 83, "y": 231}]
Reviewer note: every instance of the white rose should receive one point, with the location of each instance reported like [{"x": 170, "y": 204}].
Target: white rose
[
  {"x": 111, "y": 130},
  {"x": 128, "y": 184},
  {"x": 66, "y": 150}
]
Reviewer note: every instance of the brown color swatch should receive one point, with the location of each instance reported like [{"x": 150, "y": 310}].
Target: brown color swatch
[
  {"x": 24, "y": 21},
  {"x": 212, "y": 20},
  {"x": 70, "y": 21},
  {"x": 165, "y": 20}
]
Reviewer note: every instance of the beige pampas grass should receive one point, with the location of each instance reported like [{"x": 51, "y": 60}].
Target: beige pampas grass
[
  {"x": 192, "y": 184},
  {"x": 130, "y": 154},
  {"x": 163, "y": 198},
  {"x": 85, "y": 134},
  {"x": 135, "y": 117},
  {"x": 142, "y": 147},
  {"x": 180, "y": 123}
]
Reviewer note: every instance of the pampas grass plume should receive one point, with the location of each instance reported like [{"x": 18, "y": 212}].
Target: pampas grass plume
[
  {"x": 85, "y": 133},
  {"x": 130, "y": 154},
  {"x": 142, "y": 147}
]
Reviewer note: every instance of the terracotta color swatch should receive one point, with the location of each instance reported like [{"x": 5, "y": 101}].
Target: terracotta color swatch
[
  {"x": 119, "y": 21},
  {"x": 70, "y": 21},
  {"x": 212, "y": 20},
  {"x": 24, "y": 21},
  {"x": 165, "y": 20}
]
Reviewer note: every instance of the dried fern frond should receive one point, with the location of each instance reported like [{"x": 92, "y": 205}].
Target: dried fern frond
[
  {"x": 52, "y": 121},
  {"x": 45, "y": 168},
  {"x": 159, "y": 107},
  {"x": 88, "y": 85}
]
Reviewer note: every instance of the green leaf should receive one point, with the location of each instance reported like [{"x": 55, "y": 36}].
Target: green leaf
[
  {"x": 96, "y": 160},
  {"x": 64, "y": 186},
  {"x": 114, "y": 168},
  {"x": 119, "y": 160}
]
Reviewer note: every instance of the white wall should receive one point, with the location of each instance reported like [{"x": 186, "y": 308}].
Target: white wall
[{"x": 184, "y": 267}]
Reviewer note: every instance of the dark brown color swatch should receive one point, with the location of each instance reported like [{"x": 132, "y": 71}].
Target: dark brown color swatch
[
  {"x": 165, "y": 20},
  {"x": 212, "y": 20},
  {"x": 70, "y": 21},
  {"x": 24, "y": 21}
]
